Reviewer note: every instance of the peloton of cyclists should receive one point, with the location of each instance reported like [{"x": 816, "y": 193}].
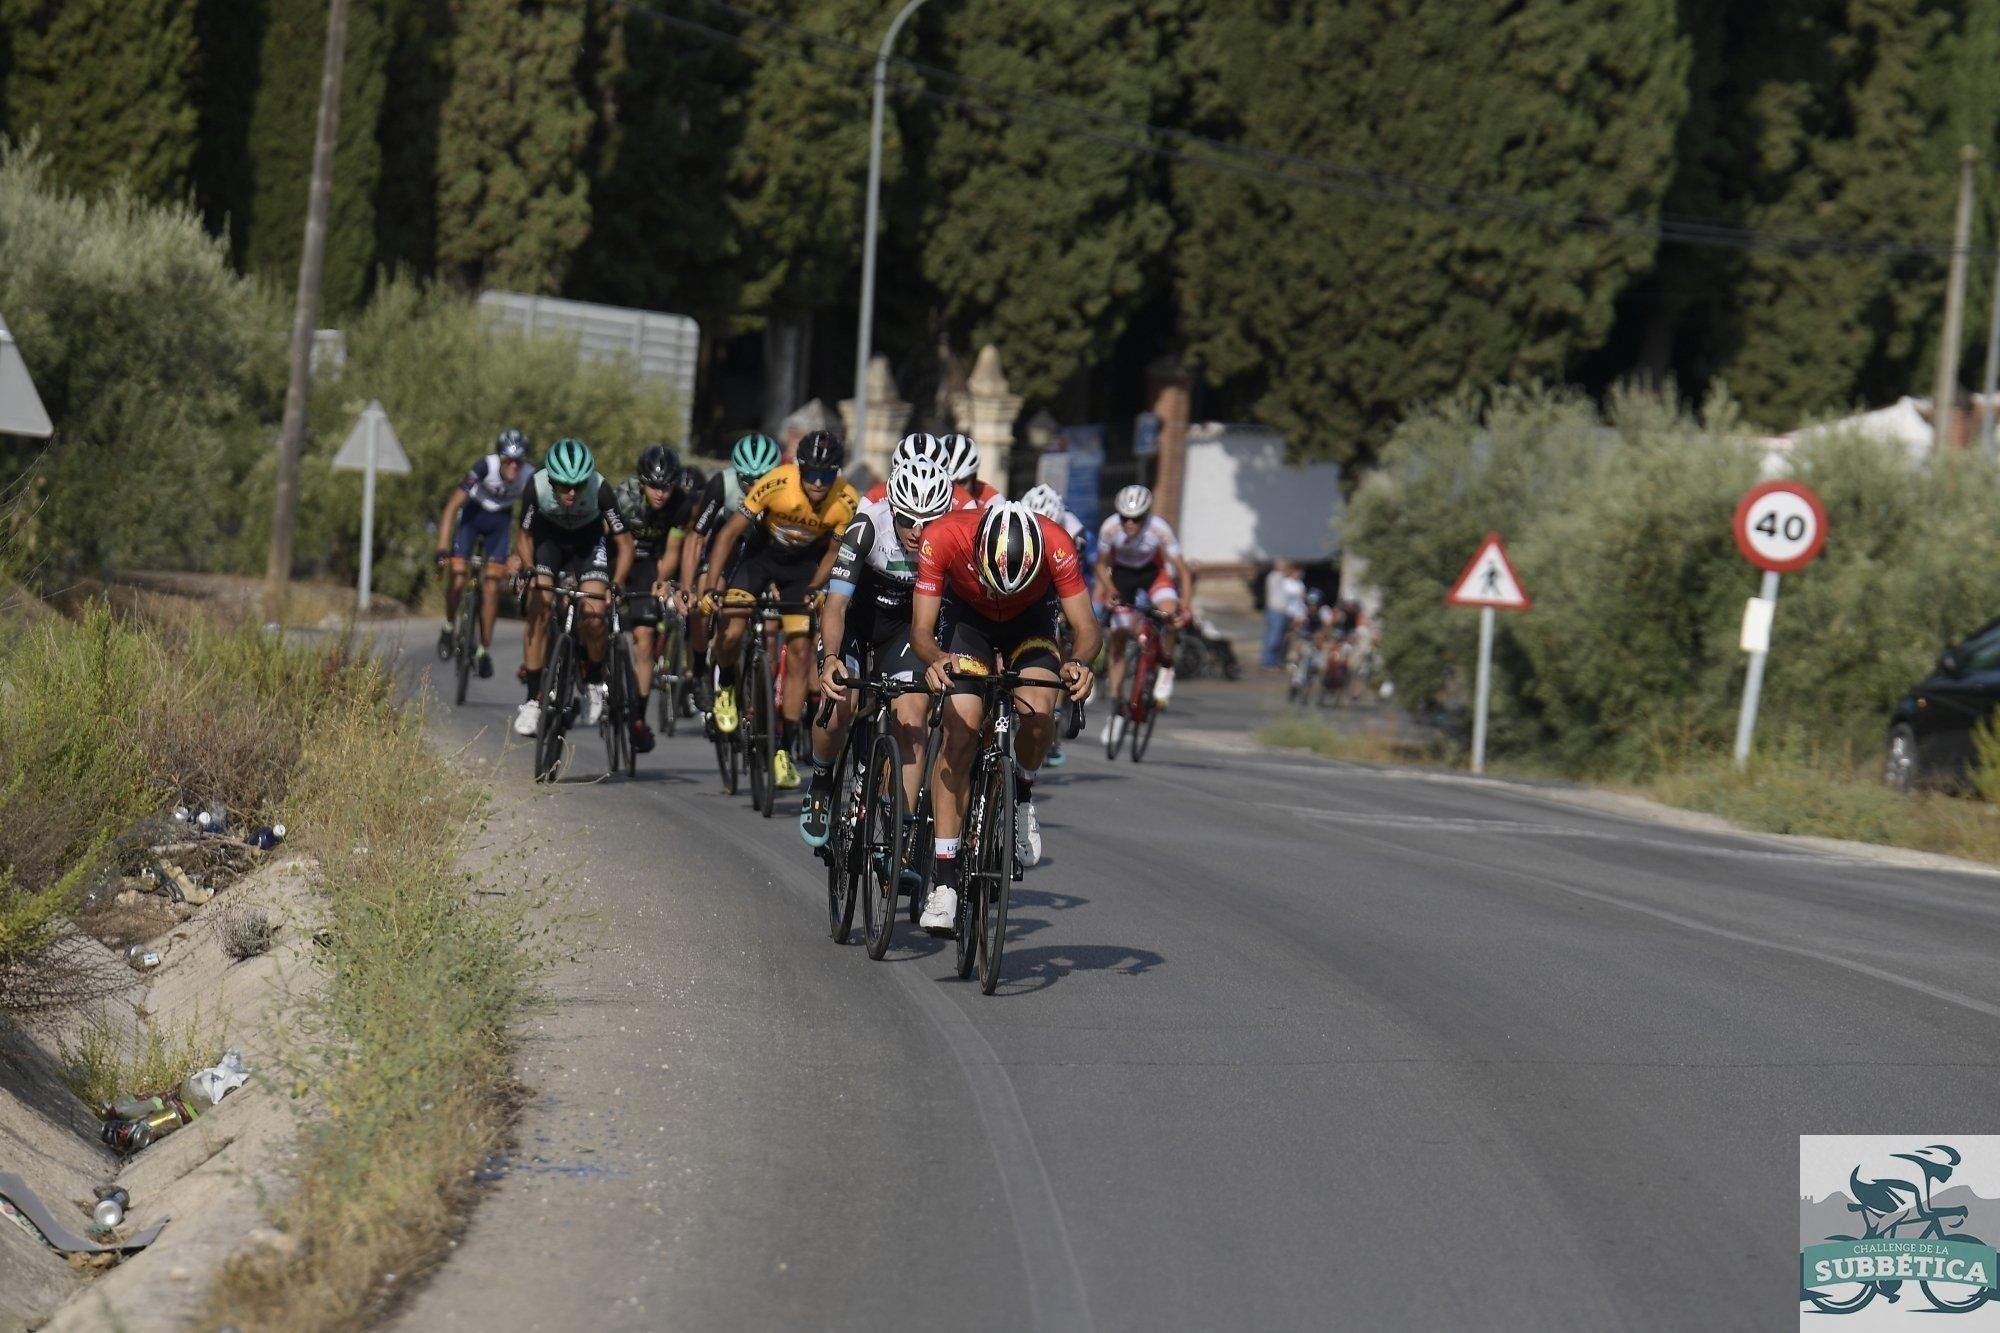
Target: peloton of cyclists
[
  {"x": 570, "y": 525},
  {"x": 1139, "y": 564},
  {"x": 494, "y": 484},
  {"x": 799, "y": 508}
]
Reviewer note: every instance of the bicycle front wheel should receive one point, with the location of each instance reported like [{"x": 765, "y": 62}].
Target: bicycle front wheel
[
  {"x": 996, "y": 873},
  {"x": 1955, "y": 1297},
  {"x": 558, "y": 694},
  {"x": 884, "y": 846},
  {"x": 767, "y": 736}
]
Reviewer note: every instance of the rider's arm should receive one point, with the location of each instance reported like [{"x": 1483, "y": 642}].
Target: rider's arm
[
  {"x": 623, "y": 547},
  {"x": 725, "y": 542},
  {"x": 1087, "y": 636},
  {"x": 448, "y": 521},
  {"x": 524, "y": 542},
  {"x": 670, "y": 557},
  {"x": 825, "y": 565},
  {"x": 923, "y": 627}
]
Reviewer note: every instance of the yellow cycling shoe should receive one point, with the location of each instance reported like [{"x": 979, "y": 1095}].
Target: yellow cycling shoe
[
  {"x": 783, "y": 771},
  {"x": 725, "y": 710}
]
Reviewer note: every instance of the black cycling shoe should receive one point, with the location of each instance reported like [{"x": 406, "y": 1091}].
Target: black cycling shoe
[
  {"x": 816, "y": 814},
  {"x": 642, "y": 737},
  {"x": 485, "y": 666},
  {"x": 444, "y": 644}
]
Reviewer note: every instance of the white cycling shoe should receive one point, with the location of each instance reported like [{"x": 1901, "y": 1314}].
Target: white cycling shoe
[
  {"x": 594, "y": 697},
  {"x": 1027, "y": 834},
  {"x": 528, "y": 719},
  {"x": 940, "y": 911},
  {"x": 1163, "y": 686}
]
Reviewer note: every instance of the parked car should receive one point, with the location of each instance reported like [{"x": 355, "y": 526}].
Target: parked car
[{"x": 1930, "y": 731}]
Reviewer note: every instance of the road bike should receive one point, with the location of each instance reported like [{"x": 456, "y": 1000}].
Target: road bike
[
  {"x": 1951, "y": 1297},
  {"x": 865, "y": 844},
  {"x": 465, "y": 629},
  {"x": 562, "y": 681},
  {"x": 1134, "y": 715},
  {"x": 673, "y": 674},
  {"x": 620, "y": 694},
  {"x": 757, "y": 710},
  {"x": 988, "y": 869}
]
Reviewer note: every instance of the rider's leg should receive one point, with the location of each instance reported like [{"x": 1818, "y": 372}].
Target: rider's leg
[
  {"x": 1117, "y": 641},
  {"x": 798, "y": 661},
  {"x": 535, "y": 643},
  {"x": 1037, "y": 707},
  {"x": 592, "y": 621},
  {"x": 1168, "y": 601},
  {"x": 949, "y": 785},
  {"x": 908, "y": 716},
  {"x": 489, "y": 608},
  {"x": 454, "y": 588},
  {"x": 642, "y": 662}
]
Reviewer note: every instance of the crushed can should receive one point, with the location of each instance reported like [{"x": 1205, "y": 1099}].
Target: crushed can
[
  {"x": 110, "y": 1209},
  {"x": 141, "y": 958}
]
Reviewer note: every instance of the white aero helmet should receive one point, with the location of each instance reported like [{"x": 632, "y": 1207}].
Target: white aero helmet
[
  {"x": 960, "y": 455},
  {"x": 917, "y": 444},
  {"x": 1134, "y": 502},
  {"x": 920, "y": 488},
  {"x": 1008, "y": 550},
  {"x": 1043, "y": 500}
]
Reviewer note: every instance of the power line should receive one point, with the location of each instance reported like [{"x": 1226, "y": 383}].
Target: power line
[{"x": 1271, "y": 165}]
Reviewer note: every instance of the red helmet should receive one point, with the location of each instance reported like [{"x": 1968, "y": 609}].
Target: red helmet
[{"x": 1009, "y": 548}]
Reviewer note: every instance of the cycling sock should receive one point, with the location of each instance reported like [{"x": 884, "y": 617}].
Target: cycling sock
[
  {"x": 822, "y": 777},
  {"x": 593, "y": 672},
  {"x": 725, "y": 678},
  {"x": 643, "y": 699},
  {"x": 945, "y": 873},
  {"x": 482, "y": 650},
  {"x": 786, "y": 730},
  {"x": 1024, "y": 786},
  {"x": 534, "y": 682}
]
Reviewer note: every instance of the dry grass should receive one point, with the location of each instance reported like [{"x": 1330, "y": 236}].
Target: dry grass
[
  {"x": 107, "y": 1059},
  {"x": 413, "y": 1057},
  {"x": 1355, "y": 746}
]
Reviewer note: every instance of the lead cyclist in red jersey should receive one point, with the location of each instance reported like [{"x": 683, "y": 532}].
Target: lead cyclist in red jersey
[{"x": 989, "y": 588}]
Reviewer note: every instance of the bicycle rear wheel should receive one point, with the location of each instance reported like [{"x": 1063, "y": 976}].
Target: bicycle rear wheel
[
  {"x": 558, "y": 692},
  {"x": 996, "y": 873},
  {"x": 884, "y": 846},
  {"x": 670, "y": 672},
  {"x": 752, "y": 726},
  {"x": 1144, "y": 711},
  {"x": 767, "y": 737},
  {"x": 838, "y": 854},
  {"x": 465, "y": 634},
  {"x": 725, "y": 762}
]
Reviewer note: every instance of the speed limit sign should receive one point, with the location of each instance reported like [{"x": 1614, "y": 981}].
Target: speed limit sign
[{"x": 1780, "y": 526}]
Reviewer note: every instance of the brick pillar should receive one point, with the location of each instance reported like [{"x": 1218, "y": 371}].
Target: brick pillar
[{"x": 1172, "y": 402}]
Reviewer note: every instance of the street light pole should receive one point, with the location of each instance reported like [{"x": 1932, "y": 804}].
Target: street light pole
[{"x": 863, "y": 351}]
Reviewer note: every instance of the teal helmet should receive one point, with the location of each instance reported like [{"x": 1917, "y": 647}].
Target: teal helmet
[
  {"x": 569, "y": 462},
  {"x": 754, "y": 455}
]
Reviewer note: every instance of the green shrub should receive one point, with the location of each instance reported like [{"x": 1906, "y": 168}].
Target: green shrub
[{"x": 1620, "y": 527}]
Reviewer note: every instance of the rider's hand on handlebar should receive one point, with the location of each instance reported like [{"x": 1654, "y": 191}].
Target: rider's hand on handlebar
[
  {"x": 1078, "y": 679},
  {"x": 938, "y": 674},
  {"x": 833, "y": 677},
  {"x": 444, "y": 556}
]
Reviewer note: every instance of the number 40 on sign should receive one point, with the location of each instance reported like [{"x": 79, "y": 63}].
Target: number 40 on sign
[{"x": 1780, "y": 527}]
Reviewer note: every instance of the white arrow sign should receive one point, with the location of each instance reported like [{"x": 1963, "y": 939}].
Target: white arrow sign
[
  {"x": 1489, "y": 580},
  {"x": 386, "y": 453},
  {"x": 21, "y": 410}
]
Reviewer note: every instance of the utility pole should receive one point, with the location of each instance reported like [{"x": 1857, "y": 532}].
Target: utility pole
[
  {"x": 305, "y": 317},
  {"x": 864, "y": 336},
  {"x": 1954, "y": 304}
]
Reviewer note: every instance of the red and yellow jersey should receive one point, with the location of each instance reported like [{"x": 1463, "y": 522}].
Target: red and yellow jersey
[
  {"x": 779, "y": 504},
  {"x": 945, "y": 562}
]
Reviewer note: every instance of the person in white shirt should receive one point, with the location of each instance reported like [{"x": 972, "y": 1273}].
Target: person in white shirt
[{"x": 1139, "y": 565}]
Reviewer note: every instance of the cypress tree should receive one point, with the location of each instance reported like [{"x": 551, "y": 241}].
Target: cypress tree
[
  {"x": 108, "y": 87},
  {"x": 229, "y": 35},
  {"x": 513, "y": 204},
  {"x": 1328, "y": 313},
  {"x": 284, "y": 123},
  {"x": 1043, "y": 241},
  {"x": 417, "y": 37}
]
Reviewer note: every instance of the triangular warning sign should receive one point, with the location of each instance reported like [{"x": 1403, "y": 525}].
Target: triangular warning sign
[
  {"x": 1489, "y": 580},
  {"x": 389, "y": 455},
  {"x": 21, "y": 410}
]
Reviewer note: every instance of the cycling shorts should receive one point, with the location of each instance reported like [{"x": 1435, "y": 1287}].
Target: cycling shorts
[
  {"x": 583, "y": 553},
  {"x": 792, "y": 571},
  {"x": 1026, "y": 640},
  {"x": 1144, "y": 585},
  {"x": 642, "y": 609},
  {"x": 881, "y": 644},
  {"x": 479, "y": 530}
]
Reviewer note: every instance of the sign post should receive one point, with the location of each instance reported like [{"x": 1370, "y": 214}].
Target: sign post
[
  {"x": 1780, "y": 527},
  {"x": 371, "y": 447},
  {"x": 1488, "y": 582}
]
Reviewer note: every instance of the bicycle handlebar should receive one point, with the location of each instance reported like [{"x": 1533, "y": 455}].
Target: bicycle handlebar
[{"x": 882, "y": 687}]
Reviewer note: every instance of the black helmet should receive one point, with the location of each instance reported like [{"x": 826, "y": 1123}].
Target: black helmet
[
  {"x": 659, "y": 466},
  {"x": 691, "y": 479},
  {"x": 822, "y": 448},
  {"x": 512, "y": 444}
]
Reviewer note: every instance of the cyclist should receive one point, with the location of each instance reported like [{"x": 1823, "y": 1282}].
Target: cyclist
[
  {"x": 1044, "y": 501},
  {"x": 915, "y": 446},
  {"x": 866, "y": 617},
  {"x": 749, "y": 459},
  {"x": 985, "y": 586},
  {"x": 658, "y": 511},
  {"x": 798, "y": 507},
  {"x": 494, "y": 484},
  {"x": 961, "y": 459},
  {"x": 1139, "y": 563},
  {"x": 570, "y": 524}
]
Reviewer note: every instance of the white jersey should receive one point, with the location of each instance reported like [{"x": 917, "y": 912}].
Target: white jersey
[
  {"x": 490, "y": 491},
  {"x": 1074, "y": 527},
  {"x": 1153, "y": 544},
  {"x": 870, "y": 550}
]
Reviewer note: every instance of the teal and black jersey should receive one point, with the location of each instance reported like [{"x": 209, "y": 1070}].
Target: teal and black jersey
[
  {"x": 650, "y": 528},
  {"x": 596, "y": 504}
]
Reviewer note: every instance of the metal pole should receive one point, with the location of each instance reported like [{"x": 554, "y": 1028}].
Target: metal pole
[
  {"x": 1990, "y": 384},
  {"x": 1753, "y": 684},
  {"x": 864, "y": 336},
  {"x": 1954, "y": 304},
  {"x": 312, "y": 264},
  {"x": 1482, "y": 687},
  {"x": 368, "y": 516}
]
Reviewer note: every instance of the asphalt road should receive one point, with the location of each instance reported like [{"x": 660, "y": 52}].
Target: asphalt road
[{"x": 1281, "y": 1043}]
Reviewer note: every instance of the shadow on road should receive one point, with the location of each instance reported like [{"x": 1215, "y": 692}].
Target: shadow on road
[{"x": 1026, "y": 971}]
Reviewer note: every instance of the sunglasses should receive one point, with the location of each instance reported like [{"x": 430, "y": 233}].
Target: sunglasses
[{"x": 819, "y": 476}]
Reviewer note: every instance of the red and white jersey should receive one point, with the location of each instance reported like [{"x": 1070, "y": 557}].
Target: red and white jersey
[
  {"x": 945, "y": 564},
  {"x": 1153, "y": 544}
]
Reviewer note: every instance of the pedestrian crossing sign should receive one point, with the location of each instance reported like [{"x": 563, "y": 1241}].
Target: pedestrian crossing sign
[{"x": 1489, "y": 580}]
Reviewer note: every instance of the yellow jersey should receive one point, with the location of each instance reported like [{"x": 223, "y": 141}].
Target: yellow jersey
[{"x": 778, "y": 502}]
